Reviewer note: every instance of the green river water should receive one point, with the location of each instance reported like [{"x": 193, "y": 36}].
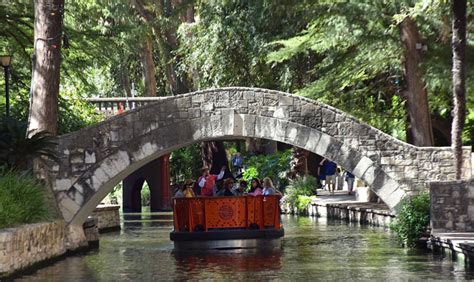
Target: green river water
[{"x": 313, "y": 249}]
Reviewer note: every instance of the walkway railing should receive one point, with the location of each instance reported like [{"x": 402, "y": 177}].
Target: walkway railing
[
  {"x": 117, "y": 105},
  {"x": 244, "y": 212}
]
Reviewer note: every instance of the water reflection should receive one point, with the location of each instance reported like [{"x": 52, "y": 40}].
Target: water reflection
[{"x": 312, "y": 249}]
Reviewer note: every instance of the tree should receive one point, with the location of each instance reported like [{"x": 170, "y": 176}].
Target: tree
[
  {"x": 46, "y": 66},
  {"x": 459, "y": 80},
  {"x": 420, "y": 130}
]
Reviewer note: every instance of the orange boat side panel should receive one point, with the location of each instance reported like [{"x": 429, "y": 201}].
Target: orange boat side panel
[{"x": 204, "y": 213}]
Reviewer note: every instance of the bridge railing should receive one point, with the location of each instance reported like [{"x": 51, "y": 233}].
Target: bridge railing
[
  {"x": 235, "y": 212},
  {"x": 116, "y": 105}
]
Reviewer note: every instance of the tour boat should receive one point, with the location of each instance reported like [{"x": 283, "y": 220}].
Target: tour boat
[{"x": 238, "y": 222}]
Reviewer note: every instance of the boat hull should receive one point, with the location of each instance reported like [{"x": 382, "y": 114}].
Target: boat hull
[{"x": 267, "y": 239}]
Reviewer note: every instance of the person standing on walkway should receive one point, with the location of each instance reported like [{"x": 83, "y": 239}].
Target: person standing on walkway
[
  {"x": 207, "y": 181},
  {"x": 237, "y": 163},
  {"x": 349, "y": 177},
  {"x": 339, "y": 179},
  {"x": 329, "y": 169}
]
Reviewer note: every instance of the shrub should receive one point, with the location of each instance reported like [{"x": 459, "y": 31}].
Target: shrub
[
  {"x": 275, "y": 166},
  {"x": 17, "y": 150},
  {"x": 301, "y": 191},
  {"x": 412, "y": 220},
  {"x": 22, "y": 200}
]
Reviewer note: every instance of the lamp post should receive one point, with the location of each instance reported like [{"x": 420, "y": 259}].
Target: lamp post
[{"x": 6, "y": 60}]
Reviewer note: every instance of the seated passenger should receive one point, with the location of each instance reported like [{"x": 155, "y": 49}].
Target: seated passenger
[
  {"x": 179, "y": 192},
  {"x": 207, "y": 181},
  {"x": 226, "y": 188},
  {"x": 188, "y": 189},
  {"x": 255, "y": 187},
  {"x": 268, "y": 188},
  {"x": 240, "y": 190}
]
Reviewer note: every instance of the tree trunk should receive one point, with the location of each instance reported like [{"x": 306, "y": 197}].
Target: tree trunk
[
  {"x": 417, "y": 98},
  {"x": 126, "y": 82},
  {"x": 46, "y": 66},
  {"x": 214, "y": 157},
  {"x": 148, "y": 68},
  {"x": 300, "y": 161},
  {"x": 459, "y": 80}
]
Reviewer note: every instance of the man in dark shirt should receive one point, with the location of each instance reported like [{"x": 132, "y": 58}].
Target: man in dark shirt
[{"x": 329, "y": 169}]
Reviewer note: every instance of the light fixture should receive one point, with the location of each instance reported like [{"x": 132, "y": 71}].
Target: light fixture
[{"x": 5, "y": 60}]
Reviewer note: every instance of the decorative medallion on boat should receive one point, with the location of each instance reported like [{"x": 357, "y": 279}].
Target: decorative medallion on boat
[{"x": 226, "y": 212}]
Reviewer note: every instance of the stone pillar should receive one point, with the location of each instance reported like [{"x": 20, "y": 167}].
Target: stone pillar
[
  {"x": 452, "y": 206},
  {"x": 156, "y": 174}
]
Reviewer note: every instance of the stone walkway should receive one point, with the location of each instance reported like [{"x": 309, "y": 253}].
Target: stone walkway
[
  {"x": 342, "y": 199},
  {"x": 346, "y": 207}
]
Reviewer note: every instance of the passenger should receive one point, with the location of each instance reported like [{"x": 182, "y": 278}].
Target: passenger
[
  {"x": 179, "y": 192},
  {"x": 255, "y": 187},
  {"x": 268, "y": 188},
  {"x": 188, "y": 189},
  {"x": 240, "y": 190},
  {"x": 227, "y": 188},
  {"x": 207, "y": 181}
]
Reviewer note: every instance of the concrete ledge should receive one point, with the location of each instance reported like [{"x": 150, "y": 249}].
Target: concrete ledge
[
  {"x": 27, "y": 245},
  {"x": 108, "y": 217},
  {"x": 456, "y": 245},
  {"x": 364, "y": 213}
]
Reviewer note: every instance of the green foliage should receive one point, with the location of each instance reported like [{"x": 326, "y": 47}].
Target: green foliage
[
  {"x": 249, "y": 173},
  {"x": 75, "y": 113},
  {"x": 16, "y": 150},
  {"x": 412, "y": 219},
  {"x": 301, "y": 191},
  {"x": 145, "y": 193},
  {"x": 275, "y": 166},
  {"x": 303, "y": 201},
  {"x": 22, "y": 200},
  {"x": 185, "y": 163}
]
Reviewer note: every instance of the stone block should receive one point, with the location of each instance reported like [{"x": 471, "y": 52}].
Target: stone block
[
  {"x": 313, "y": 140},
  {"x": 281, "y": 112},
  {"x": 285, "y": 100},
  {"x": 89, "y": 157},
  {"x": 280, "y": 129},
  {"x": 250, "y": 124},
  {"x": 323, "y": 144},
  {"x": 369, "y": 175},
  {"x": 227, "y": 122}
]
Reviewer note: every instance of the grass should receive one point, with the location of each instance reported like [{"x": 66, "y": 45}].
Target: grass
[{"x": 22, "y": 200}]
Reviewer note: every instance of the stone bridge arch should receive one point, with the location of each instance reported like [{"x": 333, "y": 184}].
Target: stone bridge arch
[{"x": 93, "y": 160}]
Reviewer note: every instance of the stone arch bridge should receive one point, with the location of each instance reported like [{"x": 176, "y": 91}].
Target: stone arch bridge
[{"x": 93, "y": 160}]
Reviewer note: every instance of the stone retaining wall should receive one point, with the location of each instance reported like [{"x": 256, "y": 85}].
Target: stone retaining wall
[
  {"x": 452, "y": 206},
  {"x": 27, "y": 245},
  {"x": 108, "y": 217}
]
